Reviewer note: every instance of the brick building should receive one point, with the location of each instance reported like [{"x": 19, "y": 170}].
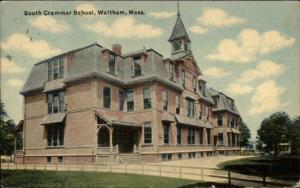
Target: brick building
[{"x": 95, "y": 104}]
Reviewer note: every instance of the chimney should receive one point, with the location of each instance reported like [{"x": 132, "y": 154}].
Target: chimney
[{"x": 117, "y": 48}]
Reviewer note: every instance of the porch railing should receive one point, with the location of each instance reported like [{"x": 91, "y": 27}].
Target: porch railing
[
  {"x": 106, "y": 150},
  {"x": 136, "y": 149}
]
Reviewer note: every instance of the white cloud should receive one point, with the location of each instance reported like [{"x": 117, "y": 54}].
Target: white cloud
[
  {"x": 216, "y": 72},
  {"x": 86, "y": 7},
  {"x": 49, "y": 24},
  {"x": 198, "y": 29},
  {"x": 10, "y": 67},
  {"x": 124, "y": 27},
  {"x": 15, "y": 83},
  {"x": 239, "y": 89},
  {"x": 248, "y": 45},
  {"x": 162, "y": 14},
  {"x": 36, "y": 48},
  {"x": 264, "y": 69},
  {"x": 214, "y": 18},
  {"x": 266, "y": 98}
]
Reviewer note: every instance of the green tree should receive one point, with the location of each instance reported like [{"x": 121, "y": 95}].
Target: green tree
[
  {"x": 245, "y": 135},
  {"x": 294, "y": 136},
  {"x": 273, "y": 130},
  {"x": 6, "y": 127}
]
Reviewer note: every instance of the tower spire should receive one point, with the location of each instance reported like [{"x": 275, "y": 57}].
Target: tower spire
[{"x": 178, "y": 10}]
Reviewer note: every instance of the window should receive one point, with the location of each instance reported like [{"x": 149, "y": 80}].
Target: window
[
  {"x": 192, "y": 155},
  {"x": 233, "y": 139},
  {"x": 191, "y": 136},
  {"x": 165, "y": 100},
  {"x": 194, "y": 83},
  {"x": 147, "y": 98},
  {"x": 229, "y": 137},
  {"x": 177, "y": 104},
  {"x": 176, "y": 45},
  {"x": 137, "y": 62},
  {"x": 216, "y": 99},
  {"x": 166, "y": 156},
  {"x": 56, "y": 69},
  {"x": 171, "y": 71},
  {"x": 207, "y": 113},
  {"x": 208, "y": 136},
  {"x": 201, "y": 136},
  {"x": 183, "y": 77},
  {"x": 55, "y": 135},
  {"x": 232, "y": 123},
  {"x": 220, "y": 120},
  {"x": 166, "y": 127},
  {"x": 111, "y": 64},
  {"x": 190, "y": 107},
  {"x": 130, "y": 101},
  {"x": 56, "y": 102},
  {"x": 179, "y": 155},
  {"x": 178, "y": 135},
  {"x": 106, "y": 97},
  {"x": 204, "y": 90},
  {"x": 121, "y": 100},
  {"x": 220, "y": 139},
  {"x": 147, "y": 133},
  {"x": 231, "y": 104},
  {"x": 60, "y": 159},
  {"x": 49, "y": 159}
]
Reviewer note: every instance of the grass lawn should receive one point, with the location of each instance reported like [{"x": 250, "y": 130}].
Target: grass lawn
[
  {"x": 285, "y": 168},
  {"x": 56, "y": 179}
]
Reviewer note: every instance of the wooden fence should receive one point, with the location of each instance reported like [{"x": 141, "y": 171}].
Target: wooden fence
[{"x": 195, "y": 173}]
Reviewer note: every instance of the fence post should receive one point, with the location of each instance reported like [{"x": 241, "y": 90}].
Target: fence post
[
  {"x": 45, "y": 167},
  {"x": 8, "y": 167},
  {"x": 159, "y": 170},
  {"x": 56, "y": 167},
  {"x": 180, "y": 172},
  {"x": 202, "y": 174},
  {"x": 264, "y": 181},
  {"x": 125, "y": 168},
  {"x": 229, "y": 178},
  {"x": 143, "y": 169}
]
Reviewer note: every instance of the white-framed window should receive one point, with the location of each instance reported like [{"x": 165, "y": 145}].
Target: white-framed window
[
  {"x": 147, "y": 98},
  {"x": 220, "y": 139},
  {"x": 190, "y": 107},
  {"x": 194, "y": 83},
  {"x": 201, "y": 136},
  {"x": 165, "y": 100},
  {"x": 111, "y": 63},
  {"x": 106, "y": 97},
  {"x": 55, "y": 68},
  {"x": 166, "y": 128},
  {"x": 220, "y": 120},
  {"x": 177, "y": 98},
  {"x": 130, "y": 100},
  {"x": 137, "y": 66},
  {"x": 147, "y": 133},
  {"x": 171, "y": 71},
  {"x": 56, "y": 102},
  {"x": 191, "y": 136},
  {"x": 121, "y": 100},
  {"x": 55, "y": 135}
]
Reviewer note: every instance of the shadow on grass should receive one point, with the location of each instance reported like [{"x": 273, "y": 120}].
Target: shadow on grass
[{"x": 282, "y": 168}]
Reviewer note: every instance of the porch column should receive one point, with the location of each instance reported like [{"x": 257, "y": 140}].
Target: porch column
[
  {"x": 111, "y": 140},
  {"x": 204, "y": 136}
]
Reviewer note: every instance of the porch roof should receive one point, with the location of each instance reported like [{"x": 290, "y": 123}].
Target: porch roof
[
  {"x": 167, "y": 117},
  {"x": 235, "y": 131},
  {"x": 192, "y": 121},
  {"x": 53, "y": 118},
  {"x": 112, "y": 119}
]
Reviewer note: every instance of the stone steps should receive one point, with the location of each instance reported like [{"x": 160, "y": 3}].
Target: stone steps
[{"x": 130, "y": 158}]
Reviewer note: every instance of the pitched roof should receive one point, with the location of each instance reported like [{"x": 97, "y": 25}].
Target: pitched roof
[{"x": 179, "y": 30}]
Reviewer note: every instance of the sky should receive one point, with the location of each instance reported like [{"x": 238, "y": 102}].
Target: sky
[{"x": 248, "y": 50}]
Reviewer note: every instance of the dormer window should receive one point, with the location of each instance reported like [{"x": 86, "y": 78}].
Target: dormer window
[
  {"x": 111, "y": 64},
  {"x": 56, "y": 69},
  {"x": 137, "y": 66}
]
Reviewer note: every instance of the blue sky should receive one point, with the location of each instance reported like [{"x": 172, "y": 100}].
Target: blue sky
[{"x": 248, "y": 50}]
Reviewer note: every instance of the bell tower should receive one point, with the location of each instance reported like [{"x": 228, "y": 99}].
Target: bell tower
[{"x": 179, "y": 39}]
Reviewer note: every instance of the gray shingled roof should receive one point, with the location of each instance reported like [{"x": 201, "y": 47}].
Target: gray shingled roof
[
  {"x": 223, "y": 102},
  {"x": 179, "y": 30},
  {"x": 89, "y": 61}
]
